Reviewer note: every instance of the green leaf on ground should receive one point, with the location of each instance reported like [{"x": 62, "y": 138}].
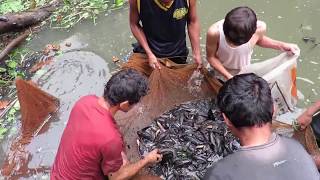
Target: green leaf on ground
[
  {"x": 12, "y": 64},
  {"x": 2, "y": 69}
]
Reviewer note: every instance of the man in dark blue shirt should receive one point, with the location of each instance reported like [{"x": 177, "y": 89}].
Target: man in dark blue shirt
[{"x": 162, "y": 32}]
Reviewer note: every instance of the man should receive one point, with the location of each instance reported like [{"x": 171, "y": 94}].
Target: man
[
  {"x": 230, "y": 42},
  {"x": 162, "y": 31},
  {"x": 247, "y": 106},
  {"x": 91, "y": 146},
  {"x": 305, "y": 120}
]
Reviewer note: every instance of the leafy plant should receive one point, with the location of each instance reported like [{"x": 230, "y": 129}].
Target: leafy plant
[
  {"x": 11, "y": 69},
  {"x": 118, "y": 3},
  {"x": 74, "y": 11},
  {"x": 71, "y": 13},
  {"x": 9, "y": 119},
  {"x": 11, "y": 6}
]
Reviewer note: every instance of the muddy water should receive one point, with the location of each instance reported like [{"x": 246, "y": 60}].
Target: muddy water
[
  {"x": 287, "y": 20},
  {"x": 82, "y": 72}
]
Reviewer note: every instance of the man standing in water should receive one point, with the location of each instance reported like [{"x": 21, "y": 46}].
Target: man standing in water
[
  {"x": 230, "y": 42},
  {"x": 91, "y": 146},
  {"x": 247, "y": 106},
  {"x": 162, "y": 32}
]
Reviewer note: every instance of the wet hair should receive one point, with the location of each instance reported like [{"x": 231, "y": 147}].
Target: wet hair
[
  {"x": 126, "y": 85},
  {"x": 239, "y": 25},
  {"x": 246, "y": 101}
]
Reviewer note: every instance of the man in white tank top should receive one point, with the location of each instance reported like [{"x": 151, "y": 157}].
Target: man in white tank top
[{"x": 230, "y": 42}]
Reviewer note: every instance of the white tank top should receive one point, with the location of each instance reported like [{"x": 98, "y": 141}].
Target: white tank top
[{"x": 233, "y": 58}]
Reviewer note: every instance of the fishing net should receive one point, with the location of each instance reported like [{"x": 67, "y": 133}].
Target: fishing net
[
  {"x": 36, "y": 106},
  {"x": 172, "y": 85},
  {"x": 193, "y": 137},
  {"x": 306, "y": 137},
  {"x": 175, "y": 84},
  {"x": 308, "y": 140}
]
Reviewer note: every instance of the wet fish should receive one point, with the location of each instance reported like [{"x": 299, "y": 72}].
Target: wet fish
[{"x": 191, "y": 137}]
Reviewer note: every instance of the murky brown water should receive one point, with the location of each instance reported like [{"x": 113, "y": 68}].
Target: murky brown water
[{"x": 79, "y": 73}]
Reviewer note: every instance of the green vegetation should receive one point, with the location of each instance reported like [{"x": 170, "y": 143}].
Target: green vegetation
[
  {"x": 9, "y": 119},
  {"x": 13, "y": 6},
  {"x": 10, "y": 69},
  {"x": 68, "y": 15},
  {"x": 73, "y": 11}
]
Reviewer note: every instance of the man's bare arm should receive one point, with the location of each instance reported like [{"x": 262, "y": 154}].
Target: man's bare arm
[
  {"x": 194, "y": 32},
  {"x": 211, "y": 48},
  {"x": 138, "y": 33},
  {"x": 267, "y": 42},
  {"x": 305, "y": 118},
  {"x": 129, "y": 170}
]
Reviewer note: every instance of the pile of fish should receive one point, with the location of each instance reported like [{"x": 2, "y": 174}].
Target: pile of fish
[{"x": 191, "y": 137}]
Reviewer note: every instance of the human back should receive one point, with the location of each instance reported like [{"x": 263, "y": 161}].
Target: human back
[
  {"x": 91, "y": 146},
  {"x": 247, "y": 107},
  {"x": 81, "y": 149},
  {"x": 281, "y": 158}
]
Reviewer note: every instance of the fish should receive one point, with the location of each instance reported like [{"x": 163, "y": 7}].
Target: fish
[{"x": 191, "y": 137}]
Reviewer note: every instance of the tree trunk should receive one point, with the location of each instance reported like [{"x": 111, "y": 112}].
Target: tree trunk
[
  {"x": 14, "y": 43},
  {"x": 15, "y": 22}
]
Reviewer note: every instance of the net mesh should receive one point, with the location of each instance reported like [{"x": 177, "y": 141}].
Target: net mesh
[
  {"x": 308, "y": 140},
  {"x": 36, "y": 105},
  {"x": 172, "y": 85}
]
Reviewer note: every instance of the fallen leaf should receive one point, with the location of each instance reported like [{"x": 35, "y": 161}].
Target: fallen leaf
[
  {"x": 115, "y": 59},
  {"x": 55, "y": 47},
  {"x": 3, "y": 104},
  {"x": 40, "y": 64},
  {"x": 59, "y": 18},
  {"x": 51, "y": 47}
]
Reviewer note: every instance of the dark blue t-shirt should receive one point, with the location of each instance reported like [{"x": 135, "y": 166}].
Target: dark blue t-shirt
[{"x": 165, "y": 28}]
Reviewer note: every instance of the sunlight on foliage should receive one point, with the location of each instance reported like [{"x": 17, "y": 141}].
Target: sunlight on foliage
[{"x": 74, "y": 11}]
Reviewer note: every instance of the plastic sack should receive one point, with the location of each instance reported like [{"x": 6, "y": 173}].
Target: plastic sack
[{"x": 280, "y": 72}]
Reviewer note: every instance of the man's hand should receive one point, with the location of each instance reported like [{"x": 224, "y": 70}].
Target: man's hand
[
  {"x": 125, "y": 160},
  {"x": 153, "y": 62},
  {"x": 291, "y": 49},
  {"x": 304, "y": 120},
  {"x": 229, "y": 76},
  {"x": 129, "y": 170},
  {"x": 198, "y": 61},
  {"x": 154, "y": 156}
]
